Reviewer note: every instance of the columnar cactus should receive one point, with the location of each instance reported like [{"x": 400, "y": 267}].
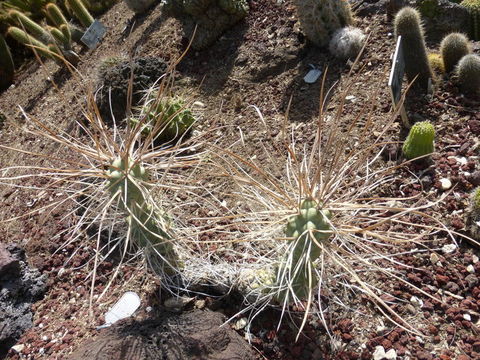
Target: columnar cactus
[
  {"x": 31, "y": 26},
  {"x": 127, "y": 180},
  {"x": 139, "y": 6},
  {"x": 28, "y": 40},
  {"x": 408, "y": 25},
  {"x": 321, "y": 18},
  {"x": 295, "y": 274},
  {"x": 453, "y": 47},
  {"x": 7, "y": 67},
  {"x": 212, "y": 18},
  {"x": 473, "y": 7},
  {"x": 80, "y": 12},
  {"x": 436, "y": 63},
  {"x": 420, "y": 140},
  {"x": 468, "y": 72}
]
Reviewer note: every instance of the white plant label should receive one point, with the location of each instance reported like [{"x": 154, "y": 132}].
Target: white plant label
[
  {"x": 396, "y": 79},
  {"x": 94, "y": 34},
  {"x": 123, "y": 308},
  {"x": 312, "y": 76}
]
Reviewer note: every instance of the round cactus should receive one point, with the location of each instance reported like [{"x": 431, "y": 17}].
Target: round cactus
[
  {"x": 420, "y": 140},
  {"x": 436, "y": 63},
  {"x": 453, "y": 47},
  {"x": 306, "y": 230},
  {"x": 468, "y": 72},
  {"x": 408, "y": 25},
  {"x": 321, "y": 18},
  {"x": 473, "y": 7},
  {"x": 346, "y": 43}
]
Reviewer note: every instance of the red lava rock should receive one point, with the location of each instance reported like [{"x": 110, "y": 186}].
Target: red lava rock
[
  {"x": 463, "y": 357},
  {"x": 424, "y": 355},
  {"x": 433, "y": 330},
  {"x": 476, "y": 346},
  {"x": 347, "y": 337},
  {"x": 441, "y": 279},
  {"x": 474, "y": 126}
]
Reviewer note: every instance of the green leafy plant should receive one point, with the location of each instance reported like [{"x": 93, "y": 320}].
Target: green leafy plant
[
  {"x": 408, "y": 25},
  {"x": 420, "y": 140},
  {"x": 468, "y": 72},
  {"x": 321, "y": 18},
  {"x": 473, "y": 7},
  {"x": 453, "y": 47}
]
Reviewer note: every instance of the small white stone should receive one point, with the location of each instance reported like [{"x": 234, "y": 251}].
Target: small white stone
[
  {"x": 449, "y": 248},
  {"x": 18, "y": 348},
  {"x": 475, "y": 259},
  {"x": 445, "y": 183},
  {"x": 61, "y": 271},
  {"x": 419, "y": 340},
  {"x": 350, "y": 99},
  {"x": 470, "y": 269},
  {"x": 148, "y": 309},
  {"x": 380, "y": 354},
  {"x": 434, "y": 258},
  {"x": 467, "y": 317},
  {"x": 240, "y": 324},
  {"x": 44, "y": 337},
  {"x": 391, "y": 354},
  {"x": 416, "y": 301}
]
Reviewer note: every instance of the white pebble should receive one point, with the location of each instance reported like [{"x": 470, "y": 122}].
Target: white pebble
[
  {"x": 467, "y": 317},
  {"x": 450, "y": 248},
  {"x": 445, "y": 183},
  {"x": 470, "y": 269}
]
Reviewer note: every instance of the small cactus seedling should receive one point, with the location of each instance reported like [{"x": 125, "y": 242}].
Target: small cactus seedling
[
  {"x": 436, "y": 63},
  {"x": 80, "y": 12},
  {"x": 166, "y": 119},
  {"x": 321, "y": 18},
  {"x": 347, "y": 42},
  {"x": 473, "y": 7},
  {"x": 139, "y": 6},
  {"x": 453, "y": 47},
  {"x": 420, "y": 140},
  {"x": 408, "y": 25},
  {"x": 7, "y": 67},
  {"x": 307, "y": 231},
  {"x": 468, "y": 72}
]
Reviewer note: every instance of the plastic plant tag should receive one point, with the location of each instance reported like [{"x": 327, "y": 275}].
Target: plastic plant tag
[
  {"x": 93, "y": 35},
  {"x": 123, "y": 308},
  {"x": 313, "y": 75}
]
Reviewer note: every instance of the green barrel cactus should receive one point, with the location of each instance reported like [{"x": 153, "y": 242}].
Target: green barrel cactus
[
  {"x": 407, "y": 24},
  {"x": 420, "y": 140},
  {"x": 127, "y": 180},
  {"x": 468, "y": 73},
  {"x": 306, "y": 230},
  {"x": 165, "y": 119},
  {"x": 80, "y": 12},
  {"x": 453, "y": 47},
  {"x": 319, "y": 19},
  {"x": 473, "y": 7},
  {"x": 7, "y": 68},
  {"x": 212, "y": 18}
]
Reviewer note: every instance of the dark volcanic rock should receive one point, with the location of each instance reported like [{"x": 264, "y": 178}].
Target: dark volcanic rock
[
  {"x": 20, "y": 286},
  {"x": 191, "y": 335}
]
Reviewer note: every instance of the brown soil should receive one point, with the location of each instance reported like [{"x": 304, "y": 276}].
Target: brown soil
[{"x": 260, "y": 62}]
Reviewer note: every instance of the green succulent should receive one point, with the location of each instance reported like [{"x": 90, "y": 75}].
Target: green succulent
[
  {"x": 473, "y": 7},
  {"x": 420, "y": 140}
]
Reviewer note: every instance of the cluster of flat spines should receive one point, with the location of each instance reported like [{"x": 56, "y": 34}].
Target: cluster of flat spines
[
  {"x": 7, "y": 67},
  {"x": 473, "y": 7},
  {"x": 139, "y": 6},
  {"x": 420, "y": 140},
  {"x": 295, "y": 275},
  {"x": 321, "y": 18},
  {"x": 468, "y": 74},
  {"x": 473, "y": 214},
  {"x": 453, "y": 47},
  {"x": 408, "y": 25},
  {"x": 346, "y": 43}
]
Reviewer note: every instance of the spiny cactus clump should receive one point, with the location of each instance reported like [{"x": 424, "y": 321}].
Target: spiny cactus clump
[
  {"x": 453, "y": 47},
  {"x": 295, "y": 276},
  {"x": 436, "y": 63},
  {"x": 473, "y": 214},
  {"x": 468, "y": 72},
  {"x": 212, "y": 18},
  {"x": 80, "y": 12},
  {"x": 139, "y": 6},
  {"x": 31, "y": 27},
  {"x": 127, "y": 181},
  {"x": 321, "y": 18},
  {"x": 408, "y": 25},
  {"x": 473, "y": 7},
  {"x": 420, "y": 140},
  {"x": 7, "y": 67},
  {"x": 112, "y": 97},
  {"x": 49, "y": 51},
  {"x": 346, "y": 43},
  {"x": 165, "y": 120}
]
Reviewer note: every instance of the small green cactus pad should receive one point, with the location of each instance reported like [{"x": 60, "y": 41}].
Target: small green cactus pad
[
  {"x": 453, "y": 47},
  {"x": 468, "y": 72},
  {"x": 473, "y": 7},
  {"x": 124, "y": 177},
  {"x": 420, "y": 140}
]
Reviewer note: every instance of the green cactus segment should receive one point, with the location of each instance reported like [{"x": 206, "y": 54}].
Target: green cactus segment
[
  {"x": 408, "y": 25},
  {"x": 37, "y": 46},
  {"x": 420, "y": 140},
  {"x": 453, "y": 47},
  {"x": 7, "y": 67},
  {"x": 468, "y": 72},
  {"x": 55, "y": 15},
  {"x": 475, "y": 200},
  {"x": 126, "y": 180},
  {"x": 80, "y": 12},
  {"x": 306, "y": 230},
  {"x": 473, "y": 7},
  {"x": 319, "y": 19},
  {"x": 167, "y": 118},
  {"x": 31, "y": 27}
]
